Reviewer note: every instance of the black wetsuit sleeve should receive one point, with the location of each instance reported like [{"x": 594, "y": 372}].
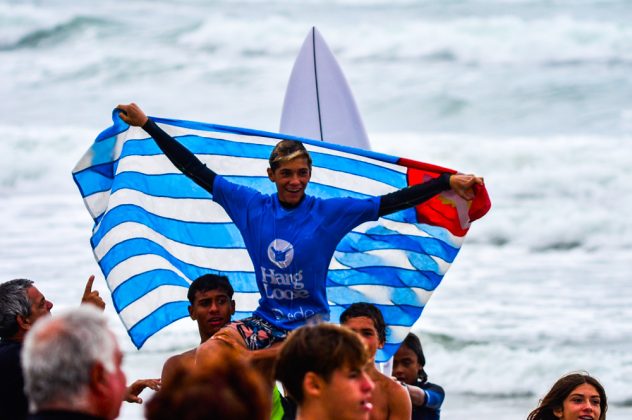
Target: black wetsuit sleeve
[
  {"x": 181, "y": 157},
  {"x": 411, "y": 196}
]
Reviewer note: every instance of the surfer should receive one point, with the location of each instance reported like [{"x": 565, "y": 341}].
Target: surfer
[{"x": 290, "y": 236}]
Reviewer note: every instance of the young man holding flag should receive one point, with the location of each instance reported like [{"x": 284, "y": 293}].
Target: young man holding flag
[{"x": 290, "y": 236}]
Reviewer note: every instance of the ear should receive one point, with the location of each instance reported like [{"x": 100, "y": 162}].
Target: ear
[
  {"x": 232, "y": 307},
  {"x": 190, "y": 309},
  {"x": 97, "y": 378},
  {"x": 270, "y": 174},
  {"x": 558, "y": 412},
  {"x": 24, "y": 323},
  {"x": 313, "y": 384}
]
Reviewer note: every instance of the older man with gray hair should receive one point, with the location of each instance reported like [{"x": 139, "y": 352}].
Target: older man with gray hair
[
  {"x": 21, "y": 305},
  {"x": 72, "y": 367}
]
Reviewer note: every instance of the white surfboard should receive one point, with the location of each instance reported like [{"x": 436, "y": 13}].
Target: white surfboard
[{"x": 318, "y": 101}]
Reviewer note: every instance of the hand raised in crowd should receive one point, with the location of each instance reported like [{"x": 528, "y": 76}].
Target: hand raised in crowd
[
  {"x": 139, "y": 386},
  {"x": 92, "y": 296},
  {"x": 132, "y": 114},
  {"x": 463, "y": 185}
]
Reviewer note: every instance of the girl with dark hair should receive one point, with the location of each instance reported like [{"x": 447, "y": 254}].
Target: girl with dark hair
[
  {"x": 408, "y": 368},
  {"x": 576, "y": 396}
]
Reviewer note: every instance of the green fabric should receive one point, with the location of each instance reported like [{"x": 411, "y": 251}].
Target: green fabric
[{"x": 277, "y": 407}]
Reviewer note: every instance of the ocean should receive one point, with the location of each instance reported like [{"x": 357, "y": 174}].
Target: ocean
[{"x": 532, "y": 94}]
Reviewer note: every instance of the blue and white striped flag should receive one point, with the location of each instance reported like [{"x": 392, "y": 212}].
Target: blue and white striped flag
[{"x": 156, "y": 231}]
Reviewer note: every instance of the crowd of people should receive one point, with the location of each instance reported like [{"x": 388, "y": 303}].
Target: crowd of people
[{"x": 69, "y": 366}]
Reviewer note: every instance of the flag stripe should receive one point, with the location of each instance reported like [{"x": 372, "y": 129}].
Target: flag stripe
[{"x": 207, "y": 234}]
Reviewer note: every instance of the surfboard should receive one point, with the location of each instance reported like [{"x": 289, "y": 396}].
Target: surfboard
[{"x": 318, "y": 101}]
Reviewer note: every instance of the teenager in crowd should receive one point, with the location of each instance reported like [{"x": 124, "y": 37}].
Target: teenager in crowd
[
  {"x": 576, "y": 396},
  {"x": 408, "y": 369}
]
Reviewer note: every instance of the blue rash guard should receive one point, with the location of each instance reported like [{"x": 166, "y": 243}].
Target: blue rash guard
[
  {"x": 431, "y": 409},
  {"x": 291, "y": 248}
]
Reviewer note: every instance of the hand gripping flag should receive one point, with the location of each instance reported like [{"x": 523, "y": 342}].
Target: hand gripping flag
[{"x": 155, "y": 230}]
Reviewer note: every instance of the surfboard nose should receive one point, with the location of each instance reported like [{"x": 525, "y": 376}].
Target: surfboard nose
[{"x": 318, "y": 101}]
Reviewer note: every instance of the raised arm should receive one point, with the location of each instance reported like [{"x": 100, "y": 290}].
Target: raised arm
[
  {"x": 179, "y": 155},
  {"x": 411, "y": 196}
]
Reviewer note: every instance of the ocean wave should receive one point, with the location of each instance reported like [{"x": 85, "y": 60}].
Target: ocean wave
[
  {"x": 509, "y": 40},
  {"x": 47, "y": 37},
  {"x": 496, "y": 370},
  {"x": 507, "y": 33},
  {"x": 496, "y": 40},
  {"x": 39, "y": 157}
]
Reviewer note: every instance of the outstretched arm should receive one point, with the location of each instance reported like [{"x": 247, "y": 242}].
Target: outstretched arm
[
  {"x": 417, "y": 395},
  {"x": 434, "y": 396},
  {"x": 182, "y": 158},
  {"x": 405, "y": 198}
]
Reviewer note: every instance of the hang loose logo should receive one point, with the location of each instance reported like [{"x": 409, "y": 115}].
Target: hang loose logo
[{"x": 281, "y": 253}]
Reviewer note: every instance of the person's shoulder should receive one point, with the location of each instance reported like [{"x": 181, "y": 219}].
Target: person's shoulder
[
  {"x": 397, "y": 397},
  {"x": 398, "y": 391},
  {"x": 179, "y": 358},
  {"x": 6, "y": 344},
  {"x": 346, "y": 204},
  {"x": 390, "y": 386},
  {"x": 176, "y": 360},
  {"x": 9, "y": 351},
  {"x": 225, "y": 190}
]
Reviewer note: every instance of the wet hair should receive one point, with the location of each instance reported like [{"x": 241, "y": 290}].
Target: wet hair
[
  {"x": 208, "y": 282},
  {"x": 59, "y": 354},
  {"x": 14, "y": 301},
  {"x": 223, "y": 386},
  {"x": 358, "y": 309},
  {"x": 554, "y": 399},
  {"x": 321, "y": 349},
  {"x": 287, "y": 150},
  {"x": 412, "y": 342}
]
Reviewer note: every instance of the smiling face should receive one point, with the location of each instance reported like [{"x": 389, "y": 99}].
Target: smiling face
[
  {"x": 212, "y": 309},
  {"x": 291, "y": 179},
  {"x": 406, "y": 365},
  {"x": 39, "y": 305},
  {"x": 583, "y": 403}
]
